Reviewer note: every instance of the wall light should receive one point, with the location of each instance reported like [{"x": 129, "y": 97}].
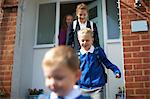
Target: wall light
[{"x": 138, "y": 3}]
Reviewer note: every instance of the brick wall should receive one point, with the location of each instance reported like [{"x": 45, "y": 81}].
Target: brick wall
[
  {"x": 8, "y": 13},
  {"x": 136, "y": 51}
]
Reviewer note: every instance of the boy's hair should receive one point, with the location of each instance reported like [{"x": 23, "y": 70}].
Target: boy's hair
[
  {"x": 81, "y": 6},
  {"x": 85, "y": 31},
  {"x": 62, "y": 55}
]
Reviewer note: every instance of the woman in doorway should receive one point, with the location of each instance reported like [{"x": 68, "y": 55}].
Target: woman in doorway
[
  {"x": 63, "y": 31},
  {"x": 80, "y": 23}
]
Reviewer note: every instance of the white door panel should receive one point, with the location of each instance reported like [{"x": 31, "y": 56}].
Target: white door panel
[
  {"x": 113, "y": 49},
  {"x": 115, "y": 55}
]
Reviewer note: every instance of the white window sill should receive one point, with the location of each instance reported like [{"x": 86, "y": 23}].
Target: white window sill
[
  {"x": 113, "y": 41},
  {"x": 44, "y": 46}
]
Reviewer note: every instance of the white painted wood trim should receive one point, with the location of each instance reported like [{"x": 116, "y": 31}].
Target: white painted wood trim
[
  {"x": 113, "y": 41},
  {"x": 121, "y": 40},
  {"x": 16, "y": 72},
  {"x": 105, "y": 32},
  {"x": 57, "y": 22},
  {"x": 44, "y": 46},
  {"x": 56, "y": 25},
  {"x": 36, "y": 25}
]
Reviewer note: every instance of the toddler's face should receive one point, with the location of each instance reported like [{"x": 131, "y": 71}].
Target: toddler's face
[
  {"x": 82, "y": 15},
  {"x": 60, "y": 79},
  {"x": 85, "y": 41}
]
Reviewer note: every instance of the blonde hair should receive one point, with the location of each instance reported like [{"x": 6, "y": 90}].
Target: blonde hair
[
  {"x": 85, "y": 31},
  {"x": 61, "y": 55},
  {"x": 81, "y": 6}
]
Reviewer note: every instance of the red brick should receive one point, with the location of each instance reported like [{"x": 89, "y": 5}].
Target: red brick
[
  {"x": 126, "y": 32},
  {"x": 125, "y": 11},
  {"x": 146, "y": 48},
  {"x": 131, "y": 49},
  {"x": 6, "y": 83},
  {"x": 146, "y": 60},
  {"x": 142, "y": 66},
  {"x": 141, "y": 54},
  {"x": 147, "y": 36},
  {"x": 147, "y": 84},
  {"x": 133, "y": 72},
  {"x": 7, "y": 78},
  {"x": 142, "y": 78},
  {"x": 7, "y": 33},
  {"x": 6, "y": 62},
  {"x": 132, "y": 17},
  {"x": 128, "y": 67},
  {"x": 126, "y": 43},
  {"x": 145, "y": 42},
  {"x": 130, "y": 91},
  {"x": 135, "y": 97},
  {"x": 142, "y": 91},
  {"x": 129, "y": 79},
  {"x": 148, "y": 97},
  {"x": 126, "y": 27},
  {"x": 127, "y": 55},
  {"x": 134, "y": 85},
  {"x": 147, "y": 72},
  {"x": 131, "y": 38},
  {"x": 133, "y": 60}
]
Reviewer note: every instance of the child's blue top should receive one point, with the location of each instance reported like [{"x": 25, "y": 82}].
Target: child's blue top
[
  {"x": 44, "y": 96},
  {"x": 93, "y": 72},
  {"x": 74, "y": 94}
]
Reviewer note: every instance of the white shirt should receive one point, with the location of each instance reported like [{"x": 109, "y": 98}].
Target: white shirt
[
  {"x": 91, "y": 50},
  {"x": 82, "y": 25},
  {"x": 72, "y": 95}
]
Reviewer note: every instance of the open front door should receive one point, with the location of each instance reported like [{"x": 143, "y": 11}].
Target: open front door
[
  {"x": 106, "y": 16},
  {"x": 95, "y": 15}
]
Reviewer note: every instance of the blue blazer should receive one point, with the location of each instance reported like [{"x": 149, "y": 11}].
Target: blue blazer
[{"x": 93, "y": 72}]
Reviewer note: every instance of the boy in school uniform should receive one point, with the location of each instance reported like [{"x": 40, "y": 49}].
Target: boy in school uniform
[
  {"x": 93, "y": 76},
  {"x": 80, "y": 23},
  {"x": 61, "y": 71}
]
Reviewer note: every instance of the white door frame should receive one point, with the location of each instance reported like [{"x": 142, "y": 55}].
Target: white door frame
[{"x": 110, "y": 41}]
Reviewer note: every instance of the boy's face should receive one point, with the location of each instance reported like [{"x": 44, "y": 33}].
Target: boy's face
[
  {"x": 82, "y": 15},
  {"x": 60, "y": 79},
  {"x": 85, "y": 41}
]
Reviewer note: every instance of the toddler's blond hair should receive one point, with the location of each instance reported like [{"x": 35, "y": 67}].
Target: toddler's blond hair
[{"x": 62, "y": 55}]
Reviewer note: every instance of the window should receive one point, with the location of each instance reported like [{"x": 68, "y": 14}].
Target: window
[
  {"x": 93, "y": 13},
  {"x": 46, "y": 24},
  {"x": 112, "y": 19}
]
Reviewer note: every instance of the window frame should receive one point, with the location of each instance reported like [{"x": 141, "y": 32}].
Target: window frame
[
  {"x": 56, "y": 24},
  {"x": 112, "y": 40}
]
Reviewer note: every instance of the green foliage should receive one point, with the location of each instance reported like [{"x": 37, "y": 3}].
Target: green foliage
[{"x": 35, "y": 91}]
